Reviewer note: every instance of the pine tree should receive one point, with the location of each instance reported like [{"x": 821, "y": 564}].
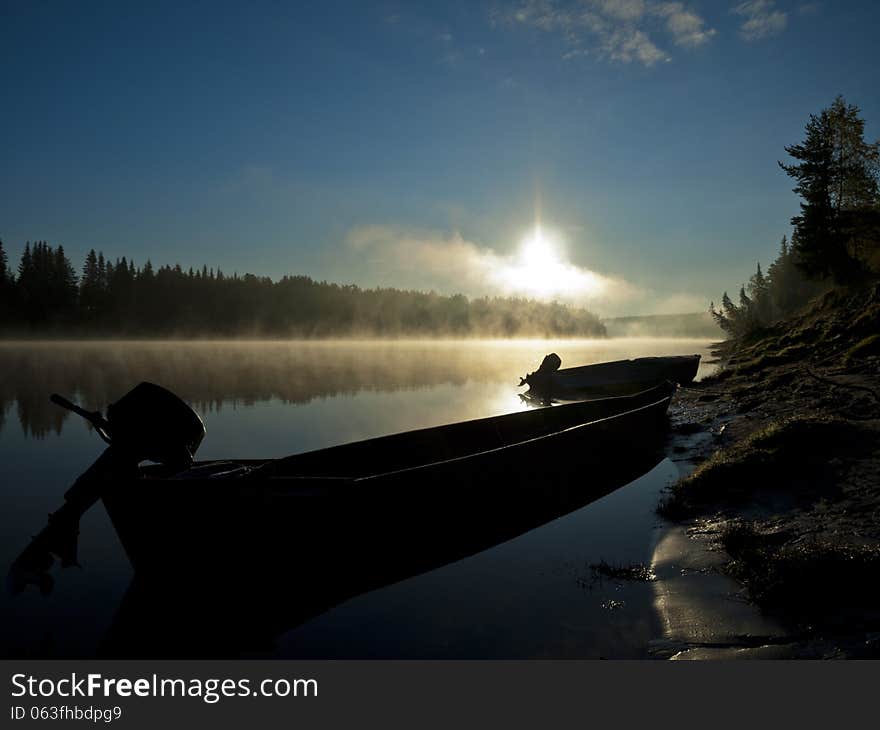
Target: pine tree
[
  {"x": 102, "y": 272},
  {"x": 719, "y": 318},
  {"x": 855, "y": 161},
  {"x": 25, "y": 282},
  {"x": 780, "y": 276},
  {"x": 26, "y": 265},
  {"x": 4, "y": 265},
  {"x": 90, "y": 286},
  {"x": 63, "y": 284},
  {"x": 6, "y": 288},
  {"x": 761, "y": 307},
  {"x": 729, "y": 316},
  {"x": 836, "y": 177}
]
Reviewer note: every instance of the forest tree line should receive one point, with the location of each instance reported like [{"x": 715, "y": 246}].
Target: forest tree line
[
  {"x": 835, "y": 239},
  {"x": 46, "y": 296}
]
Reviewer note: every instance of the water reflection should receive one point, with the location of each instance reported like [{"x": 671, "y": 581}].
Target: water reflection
[
  {"x": 701, "y": 610},
  {"x": 166, "y": 614},
  {"x": 273, "y": 399},
  {"x": 214, "y": 375}
]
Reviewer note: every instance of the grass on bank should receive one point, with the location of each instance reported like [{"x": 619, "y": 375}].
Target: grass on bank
[
  {"x": 790, "y": 454},
  {"x": 809, "y": 581}
]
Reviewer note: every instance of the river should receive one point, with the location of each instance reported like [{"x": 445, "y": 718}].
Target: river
[{"x": 534, "y": 596}]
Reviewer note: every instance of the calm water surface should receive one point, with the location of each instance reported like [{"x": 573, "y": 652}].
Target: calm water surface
[{"x": 533, "y": 596}]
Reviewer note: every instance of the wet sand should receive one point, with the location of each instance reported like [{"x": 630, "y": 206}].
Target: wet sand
[{"x": 775, "y": 550}]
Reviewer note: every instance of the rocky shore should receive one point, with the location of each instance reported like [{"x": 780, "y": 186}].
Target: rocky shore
[{"x": 781, "y": 451}]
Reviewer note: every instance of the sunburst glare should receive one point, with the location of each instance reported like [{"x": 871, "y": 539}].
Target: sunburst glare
[{"x": 540, "y": 269}]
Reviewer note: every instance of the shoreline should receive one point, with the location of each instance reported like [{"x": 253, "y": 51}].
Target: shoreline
[{"x": 780, "y": 451}]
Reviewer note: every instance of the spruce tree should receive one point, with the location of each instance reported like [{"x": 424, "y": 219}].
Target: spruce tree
[
  {"x": 759, "y": 288},
  {"x": 25, "y": 266},
  {"x": 90, "y": 285},
  {"x": 102, "y": 272},
  {"x": 64, "y": 284},
  {"x": 6, "y": 284},
  {"x": 25, "y": 281}
]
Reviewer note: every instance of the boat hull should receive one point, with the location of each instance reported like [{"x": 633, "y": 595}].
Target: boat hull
[
  {"x": 163, "y": 522},
  {"x": 614, "y": 378},
  {"x": 277, "y": 542},
  {"x": 191, "y": 600}
]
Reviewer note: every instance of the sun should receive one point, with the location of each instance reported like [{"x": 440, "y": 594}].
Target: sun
[
  {"x": 539, "y": 264},
  {"x": 537, "y": 251},
  {"x": 540, "y": 269}
]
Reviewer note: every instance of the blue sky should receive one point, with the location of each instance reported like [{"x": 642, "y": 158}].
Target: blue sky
[{"x": 414, "y": 144}]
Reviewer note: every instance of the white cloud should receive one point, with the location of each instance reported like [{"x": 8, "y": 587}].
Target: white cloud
[
  {"x": 623, "y": 31},
  {"x": 424, "y": 259},
  {"x": 762, "y": 19},
  {"x": 632, "y": 45},
  {"x": 687, "y": 29}
]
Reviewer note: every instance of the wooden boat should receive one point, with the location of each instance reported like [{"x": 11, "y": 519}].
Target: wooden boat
[
  {"x": 214, "y": 603},
  {"x": 619, "y": 376},
  {"x": 410, "y": 489},
  {"x": 311, "y": 530}
]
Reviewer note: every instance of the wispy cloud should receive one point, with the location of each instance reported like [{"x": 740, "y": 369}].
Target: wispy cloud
[
  {"x": 678, "y": 303},
  {"x": 447, "y": 262},
  {"x": 623, "y": 31},
  {"x": 687, "y": 29},
  {"x": 761, "y": 19}
]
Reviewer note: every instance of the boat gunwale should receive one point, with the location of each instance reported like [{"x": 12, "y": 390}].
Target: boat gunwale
[
  {"x": 564, "y": 372},
  {"x": 516, "y": 444},
  {"x": 665, "y": 385},
  {"x": 352, "y": 480}
]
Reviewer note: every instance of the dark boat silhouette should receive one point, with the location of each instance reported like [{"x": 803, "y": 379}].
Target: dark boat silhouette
[
  {"x": 609, "y": 378},
  {"x": 383, "y": 494},
  {"x": 207, "y": 610},
  {"x": 309, "y": 531}
]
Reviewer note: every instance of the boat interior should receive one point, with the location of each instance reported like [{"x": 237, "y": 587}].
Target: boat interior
[
  {"x": 440, "y": 443},
  {"x": 411, "y": 449}
]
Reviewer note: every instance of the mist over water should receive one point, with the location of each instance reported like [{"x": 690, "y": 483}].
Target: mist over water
[
  {"x": 212, "y": 375},
  {"x": 271, "y": 399}
]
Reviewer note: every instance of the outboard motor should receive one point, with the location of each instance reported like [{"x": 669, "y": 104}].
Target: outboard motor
[
  {"x": 149, "y": 423},
  {"x": 549, "y": 365}
]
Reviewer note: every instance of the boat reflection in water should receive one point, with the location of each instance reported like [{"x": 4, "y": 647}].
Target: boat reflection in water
[
  {"x": 215, "y": 603},
  {"x": 306, "y": 532},
  {"x": 254, "y": 548}
]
